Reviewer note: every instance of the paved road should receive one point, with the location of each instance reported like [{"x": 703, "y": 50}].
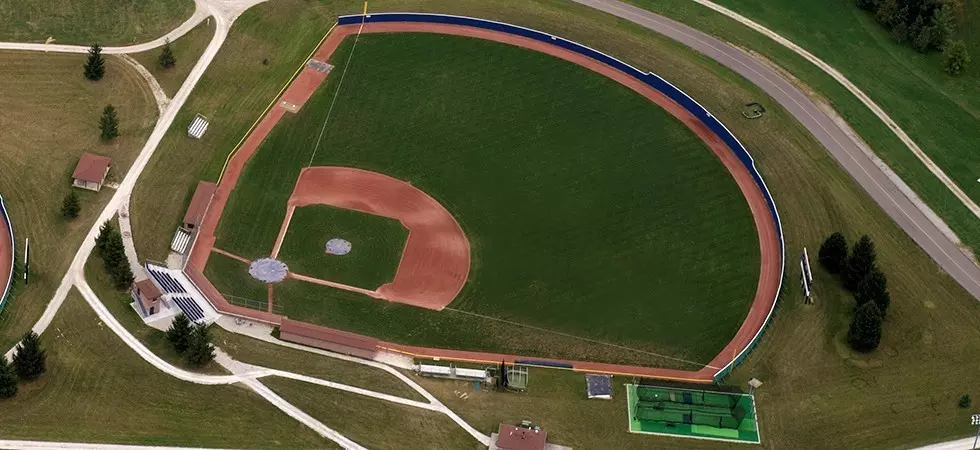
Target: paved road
[{"x": 873, "y": 175}]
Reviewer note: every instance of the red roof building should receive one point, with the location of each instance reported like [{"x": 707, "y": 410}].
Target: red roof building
[
  {"x": 199, "y": 204},
  {"x": 328, "y": 339},
  {"x": 146, "y": 295},
  {"x": 510, "y": 437},
  {"x": 91, "y": 171}
]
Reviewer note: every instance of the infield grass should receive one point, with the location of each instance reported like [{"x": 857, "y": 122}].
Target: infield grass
[
  {"x": 931, "y": 342},
  {"x": 49, "y": 116},
  {"x": 107, "y": 22},
  {"x": 187, "y": 50},
  {"x": 582, "y": 211},
  {"x": 97, "y": 389},
  {"x": 376, "y": 245}
]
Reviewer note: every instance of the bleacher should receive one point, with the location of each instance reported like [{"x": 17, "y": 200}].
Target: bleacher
[
  {"x": 168, "y": 283},
  {"x": 189, "y": 307}
]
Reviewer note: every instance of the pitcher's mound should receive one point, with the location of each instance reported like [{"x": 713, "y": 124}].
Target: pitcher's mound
[
  {"x": 337, "y": 246},
  {"x": 268, "y": 270}
]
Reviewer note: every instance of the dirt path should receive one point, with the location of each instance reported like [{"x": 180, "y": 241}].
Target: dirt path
[{"x": 769, "y": 278}]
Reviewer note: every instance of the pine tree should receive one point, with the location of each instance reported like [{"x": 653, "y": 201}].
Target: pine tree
[
  {"x": 167, "y": 59},
  {"x": 833, "y": 253},
  {"x": 105, "y": 234},
  {"x": 179, "y": 333},
  {"x": 29, "y": 361},
  {"x": 109, "y": 124},
  {"x": 95, "y": 66},
  {"x": 957, "y": 58},
  {"x": 70, "y": 207},
  {"x": 8, "y": 381},
  {"x": 874, "y": 288},
  {"x": 943, "y": 26},
  {"x": 859, "y": 263},
  {"x": 201, "y": 351},
  {"x": 864, "y": 334}
]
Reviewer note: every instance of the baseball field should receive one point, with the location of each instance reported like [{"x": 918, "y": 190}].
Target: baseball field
[{"x": 580, "y": 210}]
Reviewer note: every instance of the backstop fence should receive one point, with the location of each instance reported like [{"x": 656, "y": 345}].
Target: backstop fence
[
  {"x": 9, "y": 277},
  {"x": 649, "y": 78}
]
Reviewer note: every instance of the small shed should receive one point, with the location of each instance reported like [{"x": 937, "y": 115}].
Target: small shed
[
  {"x": 146, "y": 296},
  {"x": 197, "y": 127},
  {"x": 522, "y": 437},
  {"x": 199, "y": 205},
  {"x": 91, "y": 172}
]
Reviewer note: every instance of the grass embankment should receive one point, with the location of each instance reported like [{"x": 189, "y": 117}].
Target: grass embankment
[
  {"x": 50, "y": 115},
  {"x": 97, "y": 389},
  {"x": 186, "y": 50},
  {"x": 941, "y": 113},
  {"x": 847, "y": 401},
  {"x": 582, "y": 211},
  {"x": 376, "y": 246},
  {"x": 374, "y": 423},
  {"x": 108, "y": 22}
]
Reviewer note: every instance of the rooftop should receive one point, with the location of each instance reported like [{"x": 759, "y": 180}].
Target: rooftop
[
  {"x": 91, "y": 168},
  {"x": 199, "y": 203},
  {"x": 510, "y": 437}
]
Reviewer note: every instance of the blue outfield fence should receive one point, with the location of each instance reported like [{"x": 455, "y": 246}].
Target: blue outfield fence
[
  {"x": 651, "y": 79},
  {"x": 10, "y": 275}
]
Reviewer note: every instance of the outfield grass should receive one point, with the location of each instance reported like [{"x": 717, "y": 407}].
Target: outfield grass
[
  {"x": 938, "y": 111},
  {"x": 574, "y": 223},
  {"x": 931, "y": 324},
  {"x": 187, "y": 50},
  {"x": 49, "y": 114},
  {"x": 97, "y": 390},
  {"x": 374, "y": 423},
  {"x": 376, "y": 245},
  {"x": 107, "y": 22}
]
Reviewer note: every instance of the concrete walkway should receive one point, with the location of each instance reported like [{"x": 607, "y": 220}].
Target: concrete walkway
[{"x": 47, "y": 445}]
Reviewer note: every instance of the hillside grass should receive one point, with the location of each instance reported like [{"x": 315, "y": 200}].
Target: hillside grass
[
  {"x": 187, "y": 50},
  {"x": 107, "y": 22},
  {"x": 49, "y": 114},
  {"x": 931, "y": 325},
  {"x": 376, "y": 245},
  {"x": 582, "y": 211},
  {"x": 97, "y": 389}
]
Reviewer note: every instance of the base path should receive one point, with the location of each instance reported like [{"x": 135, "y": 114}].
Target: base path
[{"x": 769, "y": 243}]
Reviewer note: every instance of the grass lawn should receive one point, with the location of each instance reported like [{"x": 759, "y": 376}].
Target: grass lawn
[
  {"x": 850, "y": 402},
  {"x": 49, "y": 114},
  {"x": 261, "y": 353},
  {"x": 624, "y": 235},
  {"x": 108, "y": 22},
  {"x": 234, "y": 282},
  {"x": 376, "y": 245},
  {"x": 97, "y": 390},
  {"x": 941, "y": 113},
  {"x": 374, "y": 423},
  {"x": 186, "y": 50}
]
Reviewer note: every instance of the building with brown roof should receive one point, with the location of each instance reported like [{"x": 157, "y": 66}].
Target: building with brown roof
[
  {"x": 91, "y": 171},
  {"x": 146, "y": 297},
  {"x": 524, "y": 437},
  {"x": 328, "y": 339},
  {"x": 199, "y": 204}
]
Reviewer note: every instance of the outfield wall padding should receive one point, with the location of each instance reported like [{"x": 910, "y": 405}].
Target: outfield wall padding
[
  {"x": 649, "y": 78},
  {"x": 7, "y": 278}
]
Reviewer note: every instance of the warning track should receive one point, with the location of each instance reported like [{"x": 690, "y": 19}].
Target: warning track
[
  {"x": 769, "y": 241},
  {"x": 6, "y": 254}
]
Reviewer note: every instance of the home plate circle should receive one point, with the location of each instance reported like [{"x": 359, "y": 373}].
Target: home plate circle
[
  {"x": 268, "y": 270},
  {"x": 337, "y": 246}
]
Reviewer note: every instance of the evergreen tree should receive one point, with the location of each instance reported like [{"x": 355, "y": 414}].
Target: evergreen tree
[
  {"x": 859, "y": 263},
  {"x": 179, "y": 333},
  {"x": 943, "y": 26},
  {"x": 105, "y": 234},
  {"x": 833, "y": 253},
  {"x": 874, "y": 288},
  {"x": 109, "y": 124},
  {"x": 8, "y": 381},
  {"x": 70, "y": 207},
  {"x": 201, "y": 351},
  {"x": 167, "y": 59},
  {"x": 29, "y": 361},
  {"x": 864, "y": 334},
  {"x": 957, "y": 58},
  {"x": 95, "y": 66}
]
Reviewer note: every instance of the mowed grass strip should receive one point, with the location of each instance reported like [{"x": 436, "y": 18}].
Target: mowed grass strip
[
  {"x": 108, "y": 22},
  {"x": 49, "y": 114},
  {"x": 97, "y": 389},
  {"x": 376, "y": 245},
  {"x": 186, "y": 51},
  {"x": 374, "y": 423},
  {"x": 585, "y": 204}
]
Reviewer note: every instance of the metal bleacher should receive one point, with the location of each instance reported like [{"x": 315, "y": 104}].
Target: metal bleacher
[
  {"x": 168, "y": 283},
  {"x": 189, "y": 307}
]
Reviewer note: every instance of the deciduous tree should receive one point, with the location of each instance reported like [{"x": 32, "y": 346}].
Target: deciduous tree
[{"x": 957, "y": 58}]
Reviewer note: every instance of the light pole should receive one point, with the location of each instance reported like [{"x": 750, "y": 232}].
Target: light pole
[{"x": 975, "y": 420}]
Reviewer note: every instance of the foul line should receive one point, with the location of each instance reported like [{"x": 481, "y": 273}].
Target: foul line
[
  {"x": 609, "y": 344},
  {"x": 340, "y": 83}
]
